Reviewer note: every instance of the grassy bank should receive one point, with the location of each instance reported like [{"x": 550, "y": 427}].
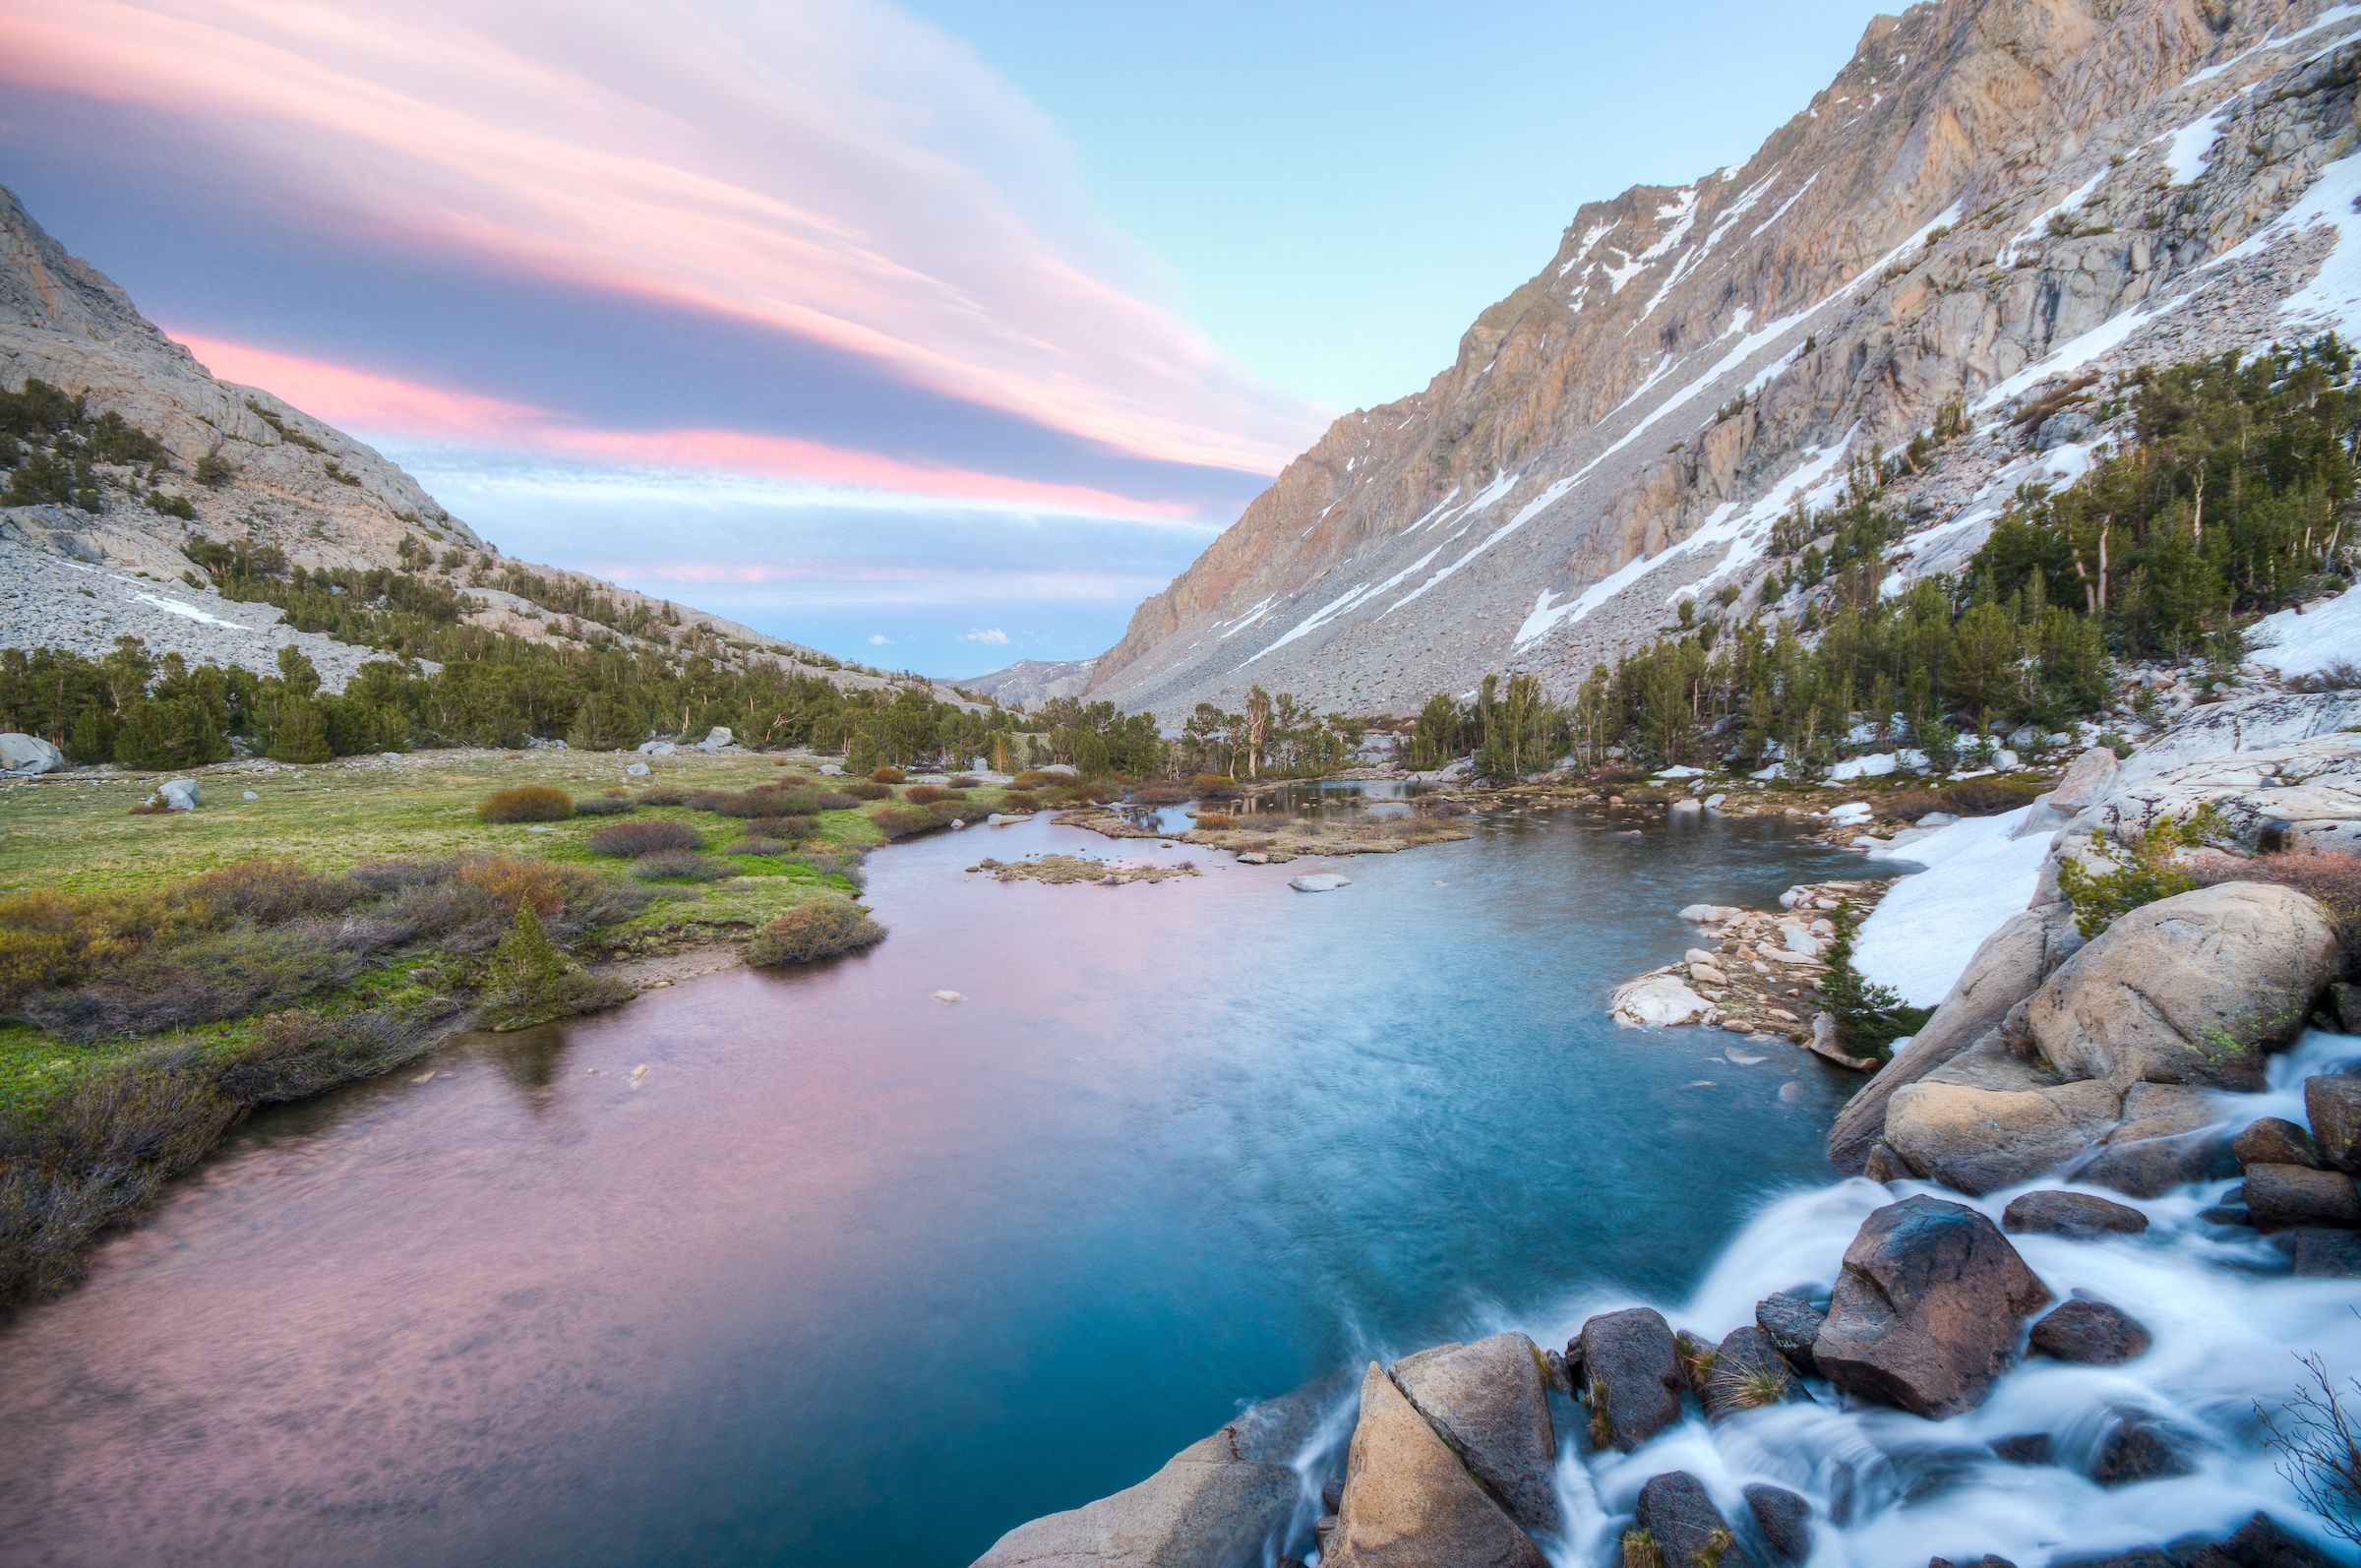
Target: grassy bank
[{"x": 165, "y": 973}]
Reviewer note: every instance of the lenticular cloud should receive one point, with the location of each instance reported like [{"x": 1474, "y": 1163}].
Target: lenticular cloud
[{"x": 834, "y": 170}]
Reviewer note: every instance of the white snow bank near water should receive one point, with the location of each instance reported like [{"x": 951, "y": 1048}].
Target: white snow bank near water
[
  {"x": 2304, "y": 645},
  {"x": 1921, "y": 936}
]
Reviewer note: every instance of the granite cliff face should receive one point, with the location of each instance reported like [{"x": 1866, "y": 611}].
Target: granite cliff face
[{"x": 1993, "y": 193}]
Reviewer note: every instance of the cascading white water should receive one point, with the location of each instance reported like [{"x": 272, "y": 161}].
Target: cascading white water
[{"x": 1891, "y": 1490}]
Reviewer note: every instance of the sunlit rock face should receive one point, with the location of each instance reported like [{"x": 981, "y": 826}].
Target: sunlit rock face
[{"x": 1994, "y": 196}]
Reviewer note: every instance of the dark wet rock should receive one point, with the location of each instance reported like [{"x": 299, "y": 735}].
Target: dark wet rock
[
  {"x": 2260, "y": 1542},
  {"x": 2292, "y": 1197},
  {"x": 1926, "y": 1309},
  {"x": 1488, "y": 1403},
  {"x": 2328, "y": 1254},
  {"x": 2345, "y": 1007},
  {"x": 1410, "y": 1503},
  {"x": 2080, "y": 1215},
  {"x": 1696, "y": 1359},
  {"x": 2025, "y": 1448},
  {"x": 2138, "y": 1448},
  {"x": 2274, "y": 1140},
  {"x": 2332, "y": 1105},
  {"x": 1218, "y": 1500},
  {"x": 1748, "y": 1373},
  {"x": 1332, "y": 1494},
  {"x": 2137, "y": 1557},
  {"x": 1688, "y": 1529},
  {"x": 1988, "y": 1560},
  {"x": 2149, "y": 1168},
  {"x": 1631, "y": 1376},
  {"x": 1284, "y": 1561},
  {"x": 1784, "y": 1519},
  {"x": 1790, "y": 1323},
  {"x": 2226, "y": 1214},
  {"x": 2091, "y": 1333}
]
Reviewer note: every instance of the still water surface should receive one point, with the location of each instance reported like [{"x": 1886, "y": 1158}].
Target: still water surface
[{"x": 854, "y": 1276}]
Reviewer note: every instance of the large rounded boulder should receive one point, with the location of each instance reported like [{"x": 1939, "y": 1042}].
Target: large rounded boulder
[
  {"x": 1926, "y": 1309},
  {"x": 1409, "y": 1502},
  {"x": 2190, "y": 989},
  {"x": 1490, "y": 1403}
]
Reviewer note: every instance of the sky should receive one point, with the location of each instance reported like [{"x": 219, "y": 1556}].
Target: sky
[{"x": 935, "y": 335}]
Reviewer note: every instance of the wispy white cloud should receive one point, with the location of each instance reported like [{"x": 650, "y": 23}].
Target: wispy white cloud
[
  {"x": 833, "y": 169},
  {"x": 992, "y": 634}
]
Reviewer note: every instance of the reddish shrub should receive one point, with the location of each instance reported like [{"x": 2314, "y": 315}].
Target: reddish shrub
[
  {"x": 270, "y": 891},
  {"x": 603, "y": 806},
  {"x": 929, "y": 794},
  {"x": 832, "y": 801},
  {"x": 642, "y": 838},
  {"x": 508, "y": 882},
  {"x": 866, "y": 791},
  {"x": 894, "y": 822},
  {"x": 814, "y": 931},
  {"x": 534, "y": 802},
  {"x": 2334, "y": 877},
  {"x": 665, "y": 795},
  {"x": 888, "y": 775},
  {"x": 1160, "y": 795},
  {"x": 963, "y": 782}
]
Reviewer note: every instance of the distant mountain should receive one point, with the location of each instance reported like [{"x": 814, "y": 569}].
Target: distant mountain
[
  {"x": 271, "y": 475},
  {"x": 1992, "y": 197},
  {"x": 1029, "y": 682}
]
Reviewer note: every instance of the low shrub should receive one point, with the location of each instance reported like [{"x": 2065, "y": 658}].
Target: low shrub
[
  {"x": 894, "y": 822},
  {"x": 2337, "y": 675},
  {"x": 2117, "y": 880},
  {"x": 709, "y": 799},
  {"x": 831, "y": 800},
  {"x": 1160, "y": 795},
  {"x": 846, "y": 864},
  {"x": 510, "y": 882},
  {"x": 1216, "y": 821},
  {"x": 643, "y": 839},
  {"x": 753, "y": 803},
  {"x": 1212, "y": 784},
  {"x": 1033, "y": 778},
  {"x": 665, "y": 795},
  {"x": 534, "y": 802},
  {"x": 1616, "y": 774},
  {"x": 811, "y": 932},
  {"x": 789, "y": 827},
  {"x": 270, "y": 891},
  {"x": 963, "y": 782},
  {"x": 758, "y": 845},
  {"x": 196, "y": 980},
  {"x": 678, "y": 865},
  {"x": 151, "y": 809},
  {"x": 2334, "y": 877},
  {"x": 296, "y": 1053},
  {"x": 953, "y": 810},
  {"x": 1437, "y": 806},
  {"x": 1019, "y": 801},
  {"x": 864, "y": 790},
  {"x": 1911, "y": 805},
  {"x": 888, "y": 775},
  {"x": 604, "y": 805},
  {"x": 929, "y": 794},
  {"x": 1987, "y": 797}
]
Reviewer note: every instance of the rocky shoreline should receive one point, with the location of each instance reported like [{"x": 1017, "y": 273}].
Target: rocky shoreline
[{"x": 2176, "y": 1081}]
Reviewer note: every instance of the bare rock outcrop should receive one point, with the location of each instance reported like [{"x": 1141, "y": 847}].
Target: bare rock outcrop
[
  {"x": 1408, "y": 1500},
  {"x": 1217, "y": 1502},
  {"x": 1488, "y": 1401}
]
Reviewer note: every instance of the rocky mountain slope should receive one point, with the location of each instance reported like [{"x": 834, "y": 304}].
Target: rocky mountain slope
[
  {"x": 1992, "y": 197},
  {"x": 1029, "y": 682},
  {"x": 76, "y": 575}
]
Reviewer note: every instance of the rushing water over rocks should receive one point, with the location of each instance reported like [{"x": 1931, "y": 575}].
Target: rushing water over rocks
[{"x": 854, "y": 1275}]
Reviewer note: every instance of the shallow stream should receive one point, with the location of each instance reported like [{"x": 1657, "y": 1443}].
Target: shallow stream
[{"x": 856, "y": 1276}]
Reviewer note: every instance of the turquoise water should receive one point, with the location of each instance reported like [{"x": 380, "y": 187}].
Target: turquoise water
[{"x": 854, "y": 1276}]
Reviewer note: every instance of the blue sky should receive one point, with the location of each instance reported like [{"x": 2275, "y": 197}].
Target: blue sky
[{"x": 934, "y": 336}]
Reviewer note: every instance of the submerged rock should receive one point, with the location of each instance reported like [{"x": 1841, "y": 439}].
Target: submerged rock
[
  {"x": 1219, "y": 1500},
  {"x": 1409, "y": 1502},
  {"x": 1490, "y": 1403},
  {"x": 1925, "y": 1312},
  {"x": 2138, "y": 1448},
  {"x": 1631, "y": 1376},
  {"x": 2089, "y": 1333},
  {"x": 1685, "y": 1524},
  {"x": 1784, "y": 1519},
  {"x": 2291, "y": 1197},
  {"x": 2328, "y": 1254},
  {"x": 1319, "y": 882},
  {"x": 2080, "y": 1215}
]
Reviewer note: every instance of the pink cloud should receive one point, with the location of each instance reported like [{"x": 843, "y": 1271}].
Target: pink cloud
[
  {"x": 834, "y": 170},
  {"x": 366, "y": 400}
]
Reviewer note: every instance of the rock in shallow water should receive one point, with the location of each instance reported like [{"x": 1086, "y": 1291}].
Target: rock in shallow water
[
  {"x": 2332, "y": 1105},
  {"x": 1790, "y": 1323},
  {"x": 1490, "y": 1403},
  {"x": 2274, "y": 1140},
  {"x": 1410, "y": 1503},
  {"x": 1925, "y": 1312},
  {"x": 1631, "y": 1375},
  {"x": 2292, "y": 1197},
  {"x": 1785, "y": 1521},
  {"x": 2091, "y": 1334},
  {"x": 1749, "y": 1373},
  {"x": 1319, "y": 882},
  {"x": 1217, "y": 1502},
  {"x": 2080, "y": 1215},
  {"x": 1685, "y": 1525},
  {"x": 2328, "y": 1254}
]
